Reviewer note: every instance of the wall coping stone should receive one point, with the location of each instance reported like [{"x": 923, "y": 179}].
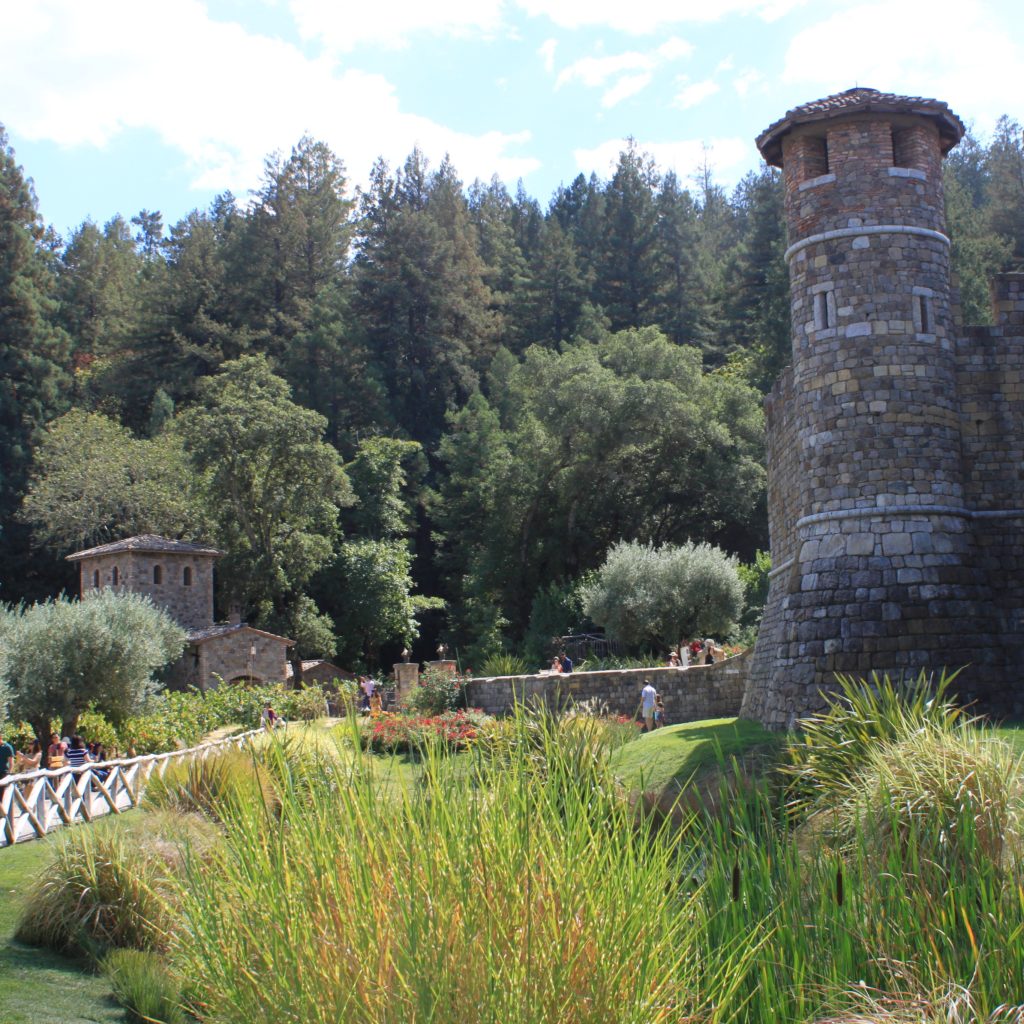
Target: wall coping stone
[{"x": 873, "y": 229}]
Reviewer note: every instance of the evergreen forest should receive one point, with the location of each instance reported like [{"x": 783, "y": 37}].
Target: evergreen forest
[{"x": 420, "y": 410}]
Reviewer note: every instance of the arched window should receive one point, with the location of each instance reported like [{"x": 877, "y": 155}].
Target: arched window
[
  {"x": 96, "y": 578},
  {"x": 115, "y": 577},
  {"x": 186, "y": 576},
  {"x": 158, "y": 574}
]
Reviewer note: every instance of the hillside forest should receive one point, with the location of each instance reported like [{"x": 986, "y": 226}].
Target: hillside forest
[{"x": 420, "y": 410}]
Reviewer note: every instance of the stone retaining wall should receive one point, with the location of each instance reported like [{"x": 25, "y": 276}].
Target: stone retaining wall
[{"x": 690, "y": 695}]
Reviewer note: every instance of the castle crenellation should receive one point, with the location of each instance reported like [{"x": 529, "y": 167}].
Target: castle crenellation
[{"x": 896, "y": 437}]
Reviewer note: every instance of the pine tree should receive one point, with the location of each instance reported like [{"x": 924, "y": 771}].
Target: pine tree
[{"x": 34, "y": 355}]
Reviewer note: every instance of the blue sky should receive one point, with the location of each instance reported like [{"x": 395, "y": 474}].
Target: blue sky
[{"x": 118, "y": 105}]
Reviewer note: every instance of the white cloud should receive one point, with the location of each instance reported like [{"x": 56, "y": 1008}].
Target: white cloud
[
  {"x": 343, "y": 26},
  {"x": 625, "y": 74},
  {"x": 547, "y": 54},
  {"x": 626, "y": 86},
  {"x": 693, "y": 93},
  {"x": 747, "y": 80},
  {"x": 674, "y": 48},
  {"x": 685, "y": 156},
  {"x": 979, "y": 70},
  {"x": 224, "y": 99},
  {"x": 595, "y": 71},
  {"x": 644, "y": 16}
]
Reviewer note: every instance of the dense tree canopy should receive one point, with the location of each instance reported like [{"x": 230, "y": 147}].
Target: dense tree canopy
[{"x": 513, "y": 386}]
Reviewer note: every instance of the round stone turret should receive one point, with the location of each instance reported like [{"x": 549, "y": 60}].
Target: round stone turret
[{"x": 871, "y": 542}]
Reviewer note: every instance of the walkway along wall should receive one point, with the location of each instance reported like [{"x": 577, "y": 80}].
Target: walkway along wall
[{"x": 690, "y": 695}]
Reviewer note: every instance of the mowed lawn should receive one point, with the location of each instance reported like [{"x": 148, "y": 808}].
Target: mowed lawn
[
  {"x": 676, "y": 754},
  {"x": 37, "y": 986}
]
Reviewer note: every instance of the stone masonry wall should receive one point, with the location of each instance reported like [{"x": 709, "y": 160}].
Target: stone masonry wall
[
  {"x": 191, "y": 606},
  {"x": 229, "y": 657},
  {"x": 690, "y": 695},
  {"x": 885, "y": 573}
]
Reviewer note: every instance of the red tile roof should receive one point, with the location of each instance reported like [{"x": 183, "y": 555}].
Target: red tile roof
[{"x": 856, "y": 101}]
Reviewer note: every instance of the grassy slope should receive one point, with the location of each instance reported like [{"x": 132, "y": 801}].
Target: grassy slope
[
  {"x": 37, "y": 985},
  {"x": 678, "y": 752}
]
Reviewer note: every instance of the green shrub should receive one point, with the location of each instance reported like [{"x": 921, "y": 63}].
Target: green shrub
[
  {"x": 439, "y": 690},
  {"x": 94, "y": 726},
  {"x": 145, "y": 986}
]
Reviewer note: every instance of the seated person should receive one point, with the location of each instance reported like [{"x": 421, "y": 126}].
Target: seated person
[
  {"x": 55, "y": 752},
  {"x": 565, "y": 662},
  {"x": 29, "y": 761},
  {"x": 556, "y": 664},
  {"x": 78, "y": 753}
]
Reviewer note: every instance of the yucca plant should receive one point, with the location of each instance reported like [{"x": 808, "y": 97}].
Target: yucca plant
[
  {"x": 503, "y": 663},
  {"x": 831, "y": 747}
]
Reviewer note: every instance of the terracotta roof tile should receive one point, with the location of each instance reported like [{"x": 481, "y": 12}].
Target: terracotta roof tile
[{"x": 860, "y": 100}]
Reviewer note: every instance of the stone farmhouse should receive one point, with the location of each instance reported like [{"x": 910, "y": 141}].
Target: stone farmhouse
[
  {"x": 178, "y": 577},
  {"x": 896, "y": 437}
]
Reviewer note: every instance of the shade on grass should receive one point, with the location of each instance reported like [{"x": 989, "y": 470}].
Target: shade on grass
[
  {"x": 34, "y": 981},
  {"x": 677, "y": 753}
]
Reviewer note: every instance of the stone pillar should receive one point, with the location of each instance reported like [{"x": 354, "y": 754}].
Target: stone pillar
[
  {"x": 406, "y": 678},
  {"x": 443, "y": 666}
]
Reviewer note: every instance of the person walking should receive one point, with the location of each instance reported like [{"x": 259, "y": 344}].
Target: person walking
[
  {"x": 659, "y": 712},
  {"x": 648, "y": 695}
]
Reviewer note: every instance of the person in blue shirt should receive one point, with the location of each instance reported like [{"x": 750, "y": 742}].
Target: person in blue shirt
[{"x": 565, "y": 661}]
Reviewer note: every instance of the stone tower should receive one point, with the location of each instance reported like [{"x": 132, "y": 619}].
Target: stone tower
[
  {"x": 176, "y": 575},
  {"x": 874, "y": 555}
]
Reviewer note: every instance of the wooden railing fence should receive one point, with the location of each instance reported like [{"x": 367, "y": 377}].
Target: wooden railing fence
[{"x": 35, "y": 803}]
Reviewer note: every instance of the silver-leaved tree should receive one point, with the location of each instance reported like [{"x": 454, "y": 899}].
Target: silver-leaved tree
[{"x": 60, "y": 656}]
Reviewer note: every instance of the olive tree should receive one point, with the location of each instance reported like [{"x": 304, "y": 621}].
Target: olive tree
[
  {"x": 647, "y": 596},
  {"x": 60, "y": 656}
]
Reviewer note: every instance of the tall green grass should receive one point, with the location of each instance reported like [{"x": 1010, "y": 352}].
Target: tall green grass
[
  {"x": 522, "y": 895},
  {"x": 517, "y": 883},
  {"x": 527, "y": 890}
]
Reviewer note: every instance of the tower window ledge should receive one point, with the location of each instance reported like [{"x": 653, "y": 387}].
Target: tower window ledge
[
  {"x": 821, "y": 179},
  {"x": 925, "y": 337},
  {"x": 907, "y": 172},
  {"x": 828, "y": 332}
]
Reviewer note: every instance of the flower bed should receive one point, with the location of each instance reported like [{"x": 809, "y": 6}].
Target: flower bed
[{"x": 392, "y": 734}]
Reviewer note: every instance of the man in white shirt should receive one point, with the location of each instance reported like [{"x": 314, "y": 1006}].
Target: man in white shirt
[
  {"x": 647, "y": 697},
  {"x": 368, "y": 685}
]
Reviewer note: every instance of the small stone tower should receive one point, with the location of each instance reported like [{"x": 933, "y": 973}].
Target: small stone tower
[
  {"x": 874, "y": 555},
  {"x": 176, "y": 575}
]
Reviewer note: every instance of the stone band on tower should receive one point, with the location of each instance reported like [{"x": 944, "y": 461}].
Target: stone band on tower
[{"x": 875, "y": 561}]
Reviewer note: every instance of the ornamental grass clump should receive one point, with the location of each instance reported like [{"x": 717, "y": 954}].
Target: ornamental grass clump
[
  {"x": 104, "y": 890},
  {"x": 211, "y": 786},
  {"x": 524, "y": 897},
  {"x": 143, "y": 984},
  {"x": 831, "y": 747}
]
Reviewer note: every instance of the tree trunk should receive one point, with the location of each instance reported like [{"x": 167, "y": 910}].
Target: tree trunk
[
  {"x": 41, "y": 727},
  {"x": 296, "y": 662}
]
